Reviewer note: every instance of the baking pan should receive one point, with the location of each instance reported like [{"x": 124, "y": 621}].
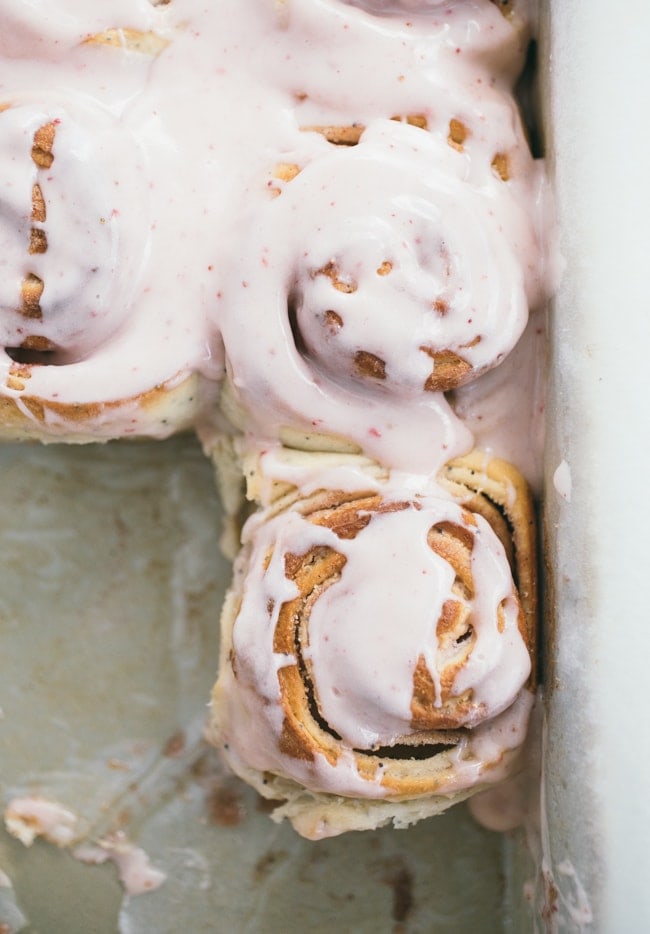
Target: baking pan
[{"x": 112, "y": 580}]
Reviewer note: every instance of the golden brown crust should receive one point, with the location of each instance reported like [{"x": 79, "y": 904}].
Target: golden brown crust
[
  {"x": 132, "y": 40},
  {"x": 458, "y": 133},
  {"x": 42, "y": 154},
  {"x": 495, "y": 489},
  {"x": 449, "y": 370},
  {"x": 506, "y": 7},
  {"x": 501, "y": 166},
  {"x": 350, "y": 134},
  {"x": 32, "y": 286},
  {"x": 171, "y": 406}
]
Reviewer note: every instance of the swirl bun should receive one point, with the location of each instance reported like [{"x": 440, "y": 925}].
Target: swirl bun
[
  {"x": 403, "y": 287},
  {"x": 77, "y": 314},
  {"x": 393, "y": 279},
  {"x": 328, "y": 685}
]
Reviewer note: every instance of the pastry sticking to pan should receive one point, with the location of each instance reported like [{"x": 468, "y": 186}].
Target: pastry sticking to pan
[{"x": 378, "y": 653}]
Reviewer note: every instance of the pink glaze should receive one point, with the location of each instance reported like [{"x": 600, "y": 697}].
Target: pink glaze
[
  {"x": 134, "y": 868},
  {"x": 165, "y": 240},
  {"x": 177, "y": 246},
  {"x": 364, "y": 642}
]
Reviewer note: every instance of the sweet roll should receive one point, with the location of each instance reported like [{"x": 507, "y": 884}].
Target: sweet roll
[
  {"x": 78, "y": 314},
  {"x": 382, "y": 279},
  {"x": 349, "y": 704}
]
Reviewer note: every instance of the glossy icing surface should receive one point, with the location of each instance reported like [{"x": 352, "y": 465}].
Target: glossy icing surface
[
  {"x": 238, "y": 191},
  {"x": 196, "y": 196},
  {"x": 361, "y": 643}
]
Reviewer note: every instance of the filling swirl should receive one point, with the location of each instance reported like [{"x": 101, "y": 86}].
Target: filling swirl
[
  {"x": 350, "y": 684},
  {"x": 67, "y": 274},
  {"x": 395, "y": 280}
]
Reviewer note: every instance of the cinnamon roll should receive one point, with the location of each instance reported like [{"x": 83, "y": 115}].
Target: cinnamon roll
[
  {"x": 382, "y": 279},
  {"x": 378, "y": 653},
  {"x": 76, "y": 320}
]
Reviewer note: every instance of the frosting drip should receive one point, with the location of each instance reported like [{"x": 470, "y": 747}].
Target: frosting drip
[{"x": 395, "y": 279}]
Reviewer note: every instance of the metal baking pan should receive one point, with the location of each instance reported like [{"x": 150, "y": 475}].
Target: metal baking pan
[
  {"x": 109, "y": 653},
  {"x": 111, "y": 584}
]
